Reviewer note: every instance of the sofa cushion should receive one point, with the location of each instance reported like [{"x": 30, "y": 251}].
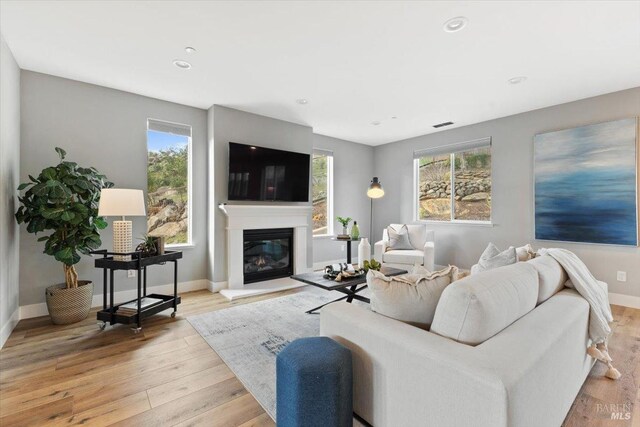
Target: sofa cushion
[
  {"x": 410, "y": 298},
  {"x": 399, "y": 238},
  {"x": 493, "y": 258},
  {"x": 403, "y": 256},
  {"x": 474, "y": 309},
  {"x": 551, "y": 276}
]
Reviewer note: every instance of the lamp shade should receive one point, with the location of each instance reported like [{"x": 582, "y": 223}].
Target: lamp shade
[
  {"x": 121, "y": 202},
  {"x": 375, "y": 190}
]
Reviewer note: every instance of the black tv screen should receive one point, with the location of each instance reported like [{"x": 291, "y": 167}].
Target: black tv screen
[{"x": 258, "y": 173}]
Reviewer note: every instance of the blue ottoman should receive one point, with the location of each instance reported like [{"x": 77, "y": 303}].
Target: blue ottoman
[{"x": 314, "y": 384}]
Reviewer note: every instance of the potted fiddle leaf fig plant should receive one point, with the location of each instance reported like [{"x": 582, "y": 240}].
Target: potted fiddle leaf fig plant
[{"x": 62, "y": 202}]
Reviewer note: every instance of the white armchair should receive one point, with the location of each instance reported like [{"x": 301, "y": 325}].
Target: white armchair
[{"x": 423, "y": 252}]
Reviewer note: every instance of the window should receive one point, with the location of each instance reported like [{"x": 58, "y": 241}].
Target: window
[
  {"x": 322, "y": 192},
  {"x": 453, "y": 183},
  {"x": 169, "y": 181}
]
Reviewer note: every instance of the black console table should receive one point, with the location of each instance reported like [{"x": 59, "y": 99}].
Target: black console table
[{"x": 108, "y": 264}]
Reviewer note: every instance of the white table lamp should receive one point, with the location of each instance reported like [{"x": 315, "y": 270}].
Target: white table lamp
[{"x": 121, "y": 202}]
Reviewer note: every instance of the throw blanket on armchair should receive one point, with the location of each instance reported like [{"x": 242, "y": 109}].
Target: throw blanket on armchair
[{"x": 596, "y": 295}]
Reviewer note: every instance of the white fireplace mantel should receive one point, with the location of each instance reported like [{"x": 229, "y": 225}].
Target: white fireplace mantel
[{"x": 251, "y": 217}]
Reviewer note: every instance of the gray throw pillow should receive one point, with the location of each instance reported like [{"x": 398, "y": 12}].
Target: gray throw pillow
[
  {"x": 399, "y": 239},
  {"x": 493, "y": 258},
  {"x": 409, "y": 298}
]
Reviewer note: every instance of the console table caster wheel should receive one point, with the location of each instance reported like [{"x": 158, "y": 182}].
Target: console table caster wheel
[
  {"x": 102, "y": 325},
  {"x": 173, "y": 314},
  {"x": 136, "y": 330}
]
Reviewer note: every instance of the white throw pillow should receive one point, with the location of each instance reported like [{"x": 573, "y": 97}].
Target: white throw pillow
[
  {"x": 492, "y": 258},
  {"x": 398, "y": 239},
  {"x": 526, "y": 252},
  {"x": 410, "y": 298}
]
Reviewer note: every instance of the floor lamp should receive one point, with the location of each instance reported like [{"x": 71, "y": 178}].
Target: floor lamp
[{"x": 375, "y": 191}]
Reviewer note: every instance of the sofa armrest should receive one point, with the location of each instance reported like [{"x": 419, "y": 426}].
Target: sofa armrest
[
  {"x": 429, "y": 255},
  {"x": 404, "y": 375},
  {"x": 379, "y": 249}
]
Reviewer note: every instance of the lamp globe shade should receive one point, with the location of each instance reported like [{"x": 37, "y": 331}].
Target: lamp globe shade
[
  {"x": 121, "y": 202},
  {"x": 375, "y": 190}
]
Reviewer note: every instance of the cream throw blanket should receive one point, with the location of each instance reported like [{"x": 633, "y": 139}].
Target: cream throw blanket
[{"x": 596, "y": 295}]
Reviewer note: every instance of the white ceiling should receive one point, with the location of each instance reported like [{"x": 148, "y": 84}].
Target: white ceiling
[{"x": 356, "y": 62}]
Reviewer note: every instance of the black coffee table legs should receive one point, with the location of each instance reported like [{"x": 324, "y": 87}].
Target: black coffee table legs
[{"x": 351, "y": 294}]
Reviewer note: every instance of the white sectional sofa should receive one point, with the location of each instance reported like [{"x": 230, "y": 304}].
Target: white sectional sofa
[{"x": 510, "y": 350}]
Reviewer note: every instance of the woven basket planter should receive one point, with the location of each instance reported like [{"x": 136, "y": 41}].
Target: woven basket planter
[{"x": 69, "y": 305}]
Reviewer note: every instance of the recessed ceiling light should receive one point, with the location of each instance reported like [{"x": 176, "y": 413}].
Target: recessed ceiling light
[
  {"x": 253, "y": 148},
  {"x": 517, "y": 80},
  {"x": 302, "y": 101},
  {"x": 189, "y": 49},
  {"x": 394, "y": 117},
  {"x": 375, "y": 122},
  {"x": 455, "y": 24},
  {"x": 181, "y": 64}
]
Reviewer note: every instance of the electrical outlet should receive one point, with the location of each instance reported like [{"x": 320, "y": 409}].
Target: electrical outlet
[
  {"x": 131, "y": 273},
  {"x": 622, "y": 276}
]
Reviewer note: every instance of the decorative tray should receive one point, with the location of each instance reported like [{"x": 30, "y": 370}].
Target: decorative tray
[{"x": 344, "y": 276}]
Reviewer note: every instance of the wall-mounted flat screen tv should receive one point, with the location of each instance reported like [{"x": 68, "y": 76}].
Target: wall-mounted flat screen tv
[{"x": 264, "y": 174}]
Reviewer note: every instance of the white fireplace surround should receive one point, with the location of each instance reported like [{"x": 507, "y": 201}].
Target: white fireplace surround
[{"x": 251, "y": 217}]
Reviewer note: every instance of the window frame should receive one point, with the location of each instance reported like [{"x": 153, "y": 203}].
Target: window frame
[
  {"x": 190, "y": 243},
  {"x": 455, "y": 148},
  {"x": 330, "y": 220}
]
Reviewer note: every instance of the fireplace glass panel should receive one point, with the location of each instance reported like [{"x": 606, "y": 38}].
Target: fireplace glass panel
[{"x": 267, "y": 254}]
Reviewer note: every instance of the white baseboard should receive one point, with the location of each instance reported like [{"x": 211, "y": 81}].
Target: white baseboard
[
  {"x": 36, "y": 310},
  {"x": 6, "y": 330},
  {"x": 322, "y": 264},
  {"x": 216, "y": 286},
  {"x": 624, "y": 300}
]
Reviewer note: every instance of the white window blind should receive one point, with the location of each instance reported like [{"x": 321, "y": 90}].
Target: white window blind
[
  {"x": 322, "y": 152},
  {"x": 453, "y": 148},
  {"x": 169, "y": 127}
]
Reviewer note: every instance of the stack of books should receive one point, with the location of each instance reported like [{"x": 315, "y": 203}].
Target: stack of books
[{"x": 131, "y": 308}]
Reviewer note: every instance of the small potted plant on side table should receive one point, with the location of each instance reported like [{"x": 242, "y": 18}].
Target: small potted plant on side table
[
  {"x": 63, "y": 201},
  {"x": 345, "y": 223}
]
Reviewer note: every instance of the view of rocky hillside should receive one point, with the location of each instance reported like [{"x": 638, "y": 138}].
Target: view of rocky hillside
[
  {"x": 168, "y": 194},
  {"x": 472, "y": 186},
  {"x": 319, "y": 194}
]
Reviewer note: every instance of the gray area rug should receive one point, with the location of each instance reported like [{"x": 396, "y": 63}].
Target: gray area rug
[{"x": 248, "y": 337}]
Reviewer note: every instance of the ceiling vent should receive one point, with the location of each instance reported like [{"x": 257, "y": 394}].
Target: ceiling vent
[{"x": 443, "y": 124}]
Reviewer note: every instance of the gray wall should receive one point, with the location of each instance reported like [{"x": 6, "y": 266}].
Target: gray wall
[
  {"x": 9, "y": 176},
  {"x": 105, "y": 128},
  {"x": 512, "y": 186},
  {"x": 352, "y": 173},
  {"x": 231, "y": 125}
]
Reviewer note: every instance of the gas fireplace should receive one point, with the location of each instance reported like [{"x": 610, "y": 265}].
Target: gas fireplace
[{"x": 268, "y": 254}]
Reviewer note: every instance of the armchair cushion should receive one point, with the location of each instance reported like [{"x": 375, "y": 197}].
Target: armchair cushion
[
  {"x": 399, "y": 238},
  {"x": 403, "y": 256}
]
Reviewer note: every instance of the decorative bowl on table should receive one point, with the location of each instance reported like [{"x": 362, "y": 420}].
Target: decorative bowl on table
[{"x": 340, "y": 275}]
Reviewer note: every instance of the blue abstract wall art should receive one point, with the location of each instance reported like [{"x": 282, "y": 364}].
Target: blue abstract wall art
[{"x": 586, "y": 184}]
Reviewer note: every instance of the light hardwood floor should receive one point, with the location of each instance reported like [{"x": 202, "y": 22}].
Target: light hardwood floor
[{"x": 168, "y": 375}]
